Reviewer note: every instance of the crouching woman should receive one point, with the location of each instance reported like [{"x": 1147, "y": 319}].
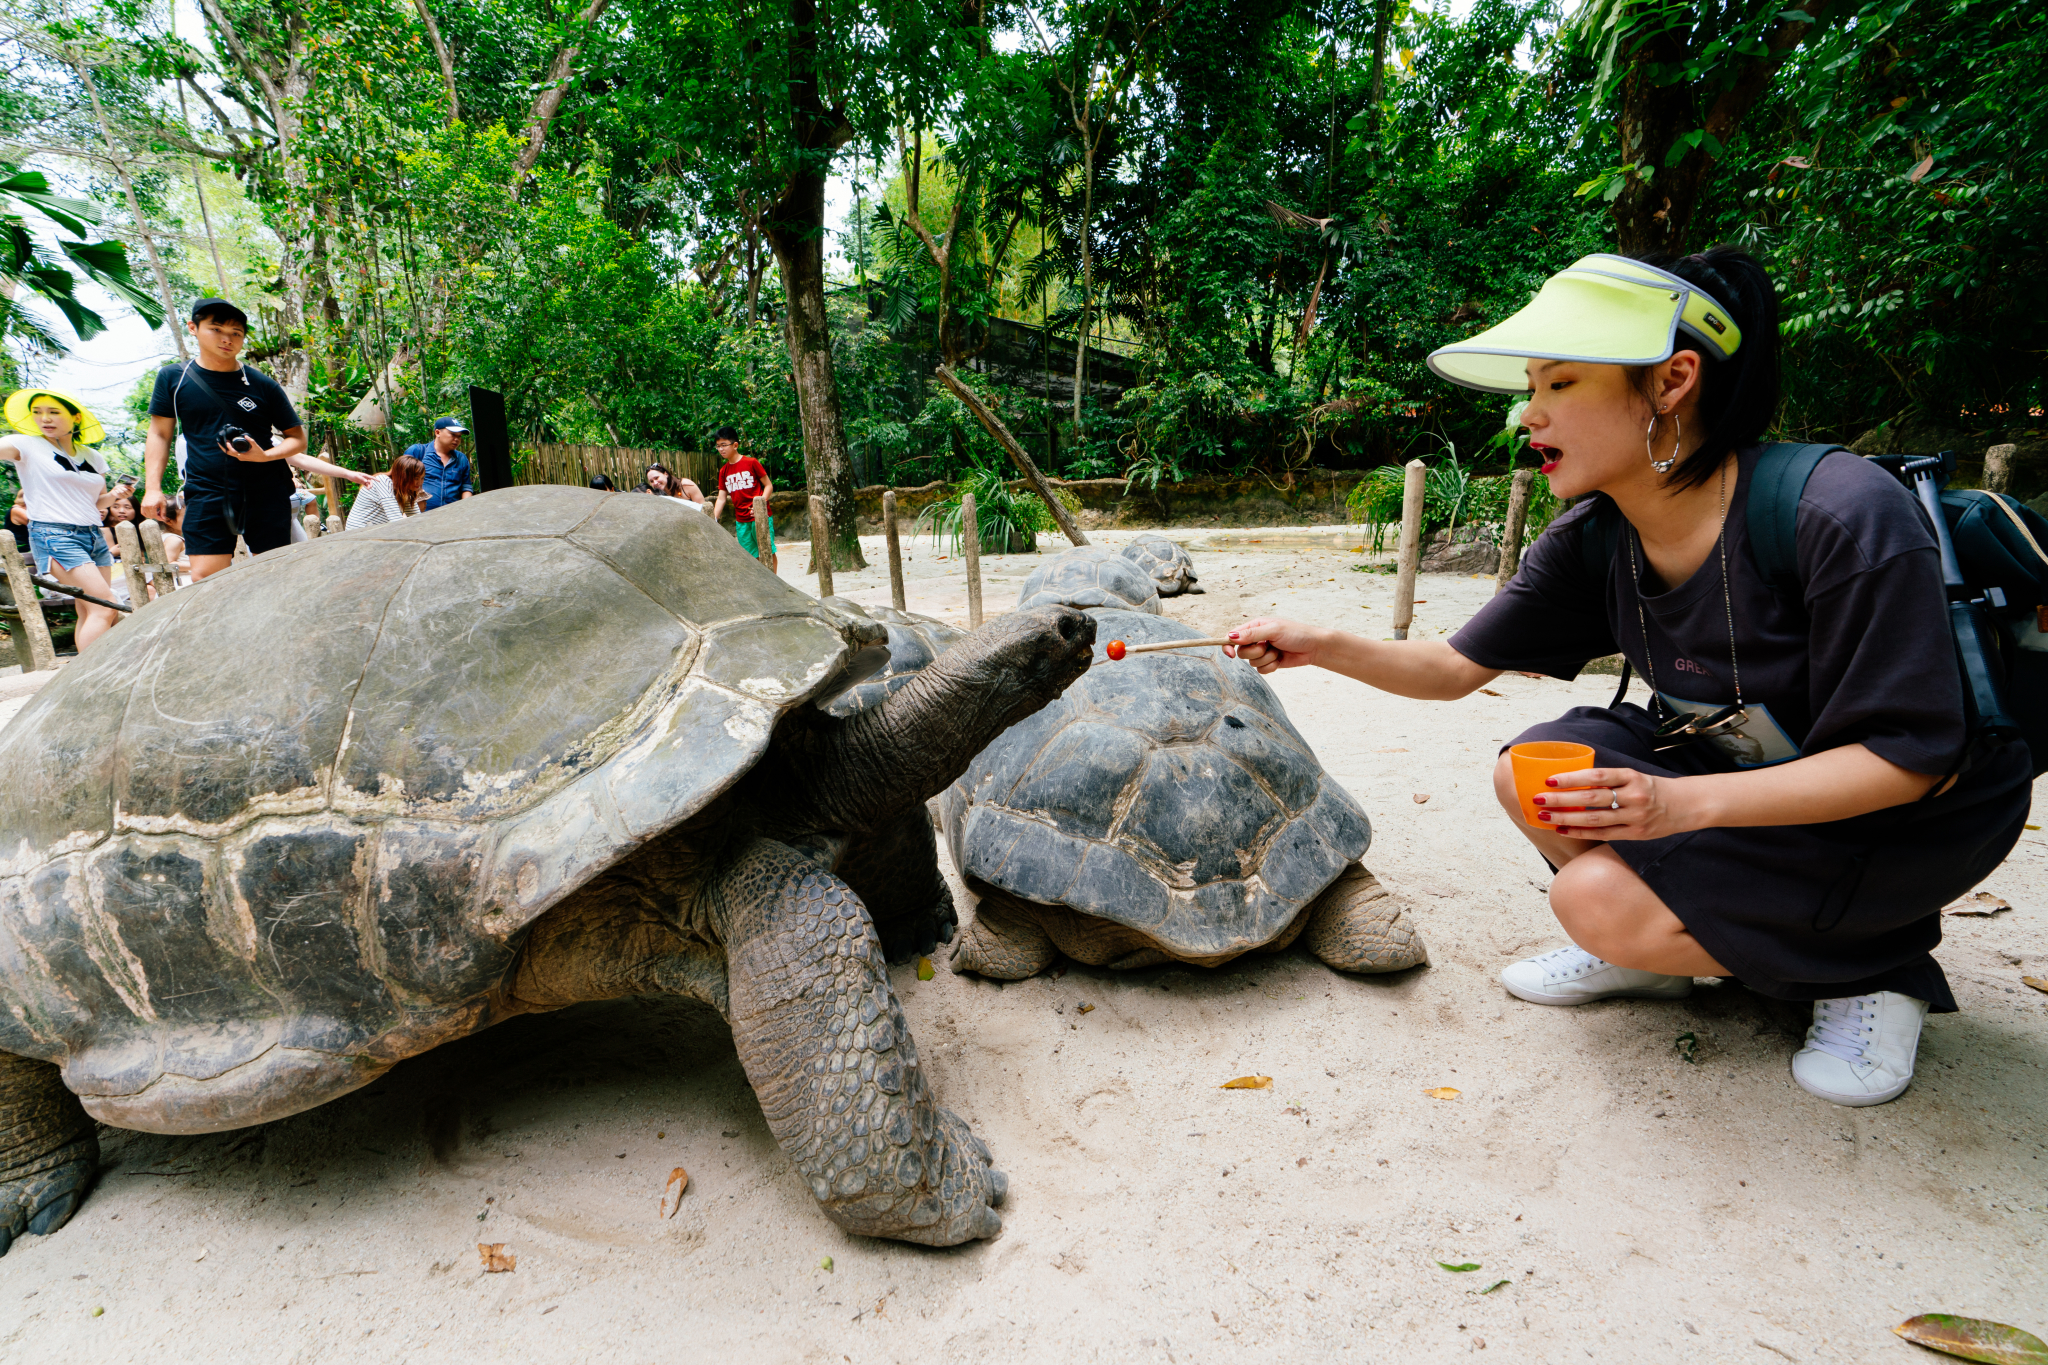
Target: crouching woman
[{"x": 1782, "y": 808}]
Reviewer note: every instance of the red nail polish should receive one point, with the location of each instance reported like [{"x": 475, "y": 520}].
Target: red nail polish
[
  {"x": 1542, "y": 815},
  {"x": 1537, "y": 800},
  {"x": 1550, "y": 782}
]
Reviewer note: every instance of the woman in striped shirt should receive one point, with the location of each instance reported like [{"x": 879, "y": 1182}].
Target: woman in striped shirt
[{"x": 389, "y": 496}]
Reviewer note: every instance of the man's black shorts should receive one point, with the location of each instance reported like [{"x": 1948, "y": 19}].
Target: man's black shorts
[{"x": 212, "y": 520}]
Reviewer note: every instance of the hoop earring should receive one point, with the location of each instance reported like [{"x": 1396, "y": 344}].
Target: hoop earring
[{"x": 1650, "y": 443}]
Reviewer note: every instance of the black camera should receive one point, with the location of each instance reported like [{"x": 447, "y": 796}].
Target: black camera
[{"x": 236, "y": 439}]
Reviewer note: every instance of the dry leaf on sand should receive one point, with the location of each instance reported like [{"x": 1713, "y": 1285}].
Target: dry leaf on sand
[
  {"x": 1976, "y": 903},
  {"x": 1248, "y": 1083},
  {"x": 672, "y": 1194},
  {"x": 1442, "y": 1092},
  {"x": 2039, "y": 983},
  {"x": 1974, "y": 1339},
  {"x": 1489, "y": 692},
  {"x": 496, "y": 1259},
  {"x": 1420, "y": 798}
]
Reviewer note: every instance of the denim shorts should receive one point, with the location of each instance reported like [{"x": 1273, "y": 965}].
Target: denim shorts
[{"x": 69, "y": 546}]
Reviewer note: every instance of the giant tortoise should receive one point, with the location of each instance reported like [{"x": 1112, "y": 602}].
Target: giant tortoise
[
  {"x": 1090, "y": 576},
  {"x": 1170, "y": 567},
  {"x": 1163, "y": 809},
  {"x": 543, "y": 746}
]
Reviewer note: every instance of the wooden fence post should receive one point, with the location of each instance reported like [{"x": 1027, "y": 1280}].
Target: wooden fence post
[
  {"x": 130, "y": 542},
  {"x": 1511, "y": 533},
  {"x": 32, "y": 643},
  {"x": 820, "y": 563},
  {"x": 889, "y": 532},
  {"x": 970, "y": 544},
  {"x": 1411, "y": 549},
  {"x": 161, "y": 571},
  {"x": 313, "y": 526},
  {"x": 1998, "y": 468},
  {"x": 334, "y": 526}
]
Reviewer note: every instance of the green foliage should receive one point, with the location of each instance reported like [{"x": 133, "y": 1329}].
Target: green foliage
[
  {"x": 1451, "y": 495},
  {"x": 1278, "y": 232}
]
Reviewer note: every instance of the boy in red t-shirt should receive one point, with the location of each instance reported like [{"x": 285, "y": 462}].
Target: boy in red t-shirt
[{"x": 741, "y": 478}]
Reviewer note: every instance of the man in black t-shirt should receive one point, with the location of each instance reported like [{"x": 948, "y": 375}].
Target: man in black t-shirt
[{"x": 228, "y": 492}]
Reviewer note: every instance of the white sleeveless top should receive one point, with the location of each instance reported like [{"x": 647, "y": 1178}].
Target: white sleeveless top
[{"x": 60, "y": 488}]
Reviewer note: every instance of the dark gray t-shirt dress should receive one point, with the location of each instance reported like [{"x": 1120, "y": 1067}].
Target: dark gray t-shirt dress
[{"x": 1798, "y": 912}]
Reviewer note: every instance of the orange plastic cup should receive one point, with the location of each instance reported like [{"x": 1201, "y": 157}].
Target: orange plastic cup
[{"x": 1541, "y": 759}]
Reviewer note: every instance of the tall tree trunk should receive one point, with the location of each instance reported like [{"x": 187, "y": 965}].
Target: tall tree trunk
[
  {"x": 163, "y": 279},
  {"x": 796, "y": 231},
  {"x": 1382, "y": 24},
  {"x": 1087, "y": 280},
  {"x": 798, "y": 236},
  {"x": 554, "y": 85},
  {"x": 284, "y": 91},
  {"x": 1656, "y": 213},
  {"x": 442, "y": 54}
]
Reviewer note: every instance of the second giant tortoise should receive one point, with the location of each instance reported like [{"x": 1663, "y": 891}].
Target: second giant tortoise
[
  {"x": 1163, "y": 809},
  {"x": 544, "y": 746},
  {"x": 1090, "y": 576}
]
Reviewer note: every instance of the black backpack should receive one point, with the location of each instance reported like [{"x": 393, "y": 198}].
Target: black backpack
[{"x": 1994, "y": 553}]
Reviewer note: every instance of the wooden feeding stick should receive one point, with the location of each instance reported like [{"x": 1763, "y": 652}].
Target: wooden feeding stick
[{"x": 1116, "y": 649}]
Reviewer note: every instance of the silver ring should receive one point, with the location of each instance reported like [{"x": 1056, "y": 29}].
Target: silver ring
[{"x": 1617, "y": 800}]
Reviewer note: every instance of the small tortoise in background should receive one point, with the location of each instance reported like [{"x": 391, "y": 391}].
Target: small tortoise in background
[
  {"x": 1163, "y": 809},
  {"x": 547, "y": 745},
  {"x": 1090, "y": 576},
  {"x": 1171, "y": 568}
]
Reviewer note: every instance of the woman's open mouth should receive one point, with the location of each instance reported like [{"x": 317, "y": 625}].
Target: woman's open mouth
[{"x": 1550, "y": 455}]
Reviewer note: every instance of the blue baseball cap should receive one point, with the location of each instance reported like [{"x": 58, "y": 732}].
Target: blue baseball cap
[{"x": 453, "y": 424}]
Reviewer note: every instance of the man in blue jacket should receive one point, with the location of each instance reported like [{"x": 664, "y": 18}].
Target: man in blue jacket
[{"x": 447, "y": 478}]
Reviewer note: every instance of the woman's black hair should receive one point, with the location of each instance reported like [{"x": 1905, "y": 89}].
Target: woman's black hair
[
  {"x": 1739, "y": 395},
  {"x": 602, "y": 482}
]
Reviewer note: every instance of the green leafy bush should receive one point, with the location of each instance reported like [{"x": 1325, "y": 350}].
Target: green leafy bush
[
  {"x": 1451, "y": 496},
  {"x": 1005, "y": 516}
]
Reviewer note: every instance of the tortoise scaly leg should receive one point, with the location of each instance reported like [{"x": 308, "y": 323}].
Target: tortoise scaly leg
[
  {"x": 825, "y": 1045},
  {"x": 895, "y": 872},
  {"x": 1357, "y": 925},
  {"x": 49, "y": 1149}
]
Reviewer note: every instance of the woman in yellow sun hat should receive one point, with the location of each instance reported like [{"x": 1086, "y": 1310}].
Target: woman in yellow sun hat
[
  {"x": 1785, "y": 810},
  {"x": 65, "y": 484}
]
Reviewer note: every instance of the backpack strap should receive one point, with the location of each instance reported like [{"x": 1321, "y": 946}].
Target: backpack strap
[{"x": 1775, "y": 487}]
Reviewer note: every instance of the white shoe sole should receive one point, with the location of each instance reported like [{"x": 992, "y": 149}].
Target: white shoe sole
[
  {"x": 1859, "y": 1101},
  {"x": 1535, "y": 997}
]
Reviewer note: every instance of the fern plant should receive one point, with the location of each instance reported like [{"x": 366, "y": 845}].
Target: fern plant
[{"x": 1007, "y": 519}]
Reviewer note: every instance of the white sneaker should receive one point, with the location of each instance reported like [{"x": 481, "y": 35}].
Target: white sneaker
[
  {"x": 1573, "y": 976},
  {"x": 1860, "y": 1050}
]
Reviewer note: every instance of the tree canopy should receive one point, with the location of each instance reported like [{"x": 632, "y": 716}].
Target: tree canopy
[{"x": 1170, "y": 237}]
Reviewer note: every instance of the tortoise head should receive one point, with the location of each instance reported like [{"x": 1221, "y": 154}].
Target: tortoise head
[{"x": 866, "y": 768}]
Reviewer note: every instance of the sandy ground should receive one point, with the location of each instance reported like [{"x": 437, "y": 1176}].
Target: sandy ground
[{"x": 1618, "y": 1202}]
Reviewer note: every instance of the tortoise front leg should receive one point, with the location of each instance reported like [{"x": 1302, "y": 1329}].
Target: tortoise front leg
[
  {"x": 49, "y": 1149},
  {"x": 895, "y": 872},
  {"x": 824, "y": 1043}
]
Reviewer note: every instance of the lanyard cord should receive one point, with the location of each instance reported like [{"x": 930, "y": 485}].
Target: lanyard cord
[
  {"x": 1727, "y": 603},
  {"x": 176, "y": 416}
]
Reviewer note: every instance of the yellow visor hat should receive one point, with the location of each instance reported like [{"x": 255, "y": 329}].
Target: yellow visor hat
[
  {"x": 90, "y": 432},
  {"x": 1608, "y": 310}
]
